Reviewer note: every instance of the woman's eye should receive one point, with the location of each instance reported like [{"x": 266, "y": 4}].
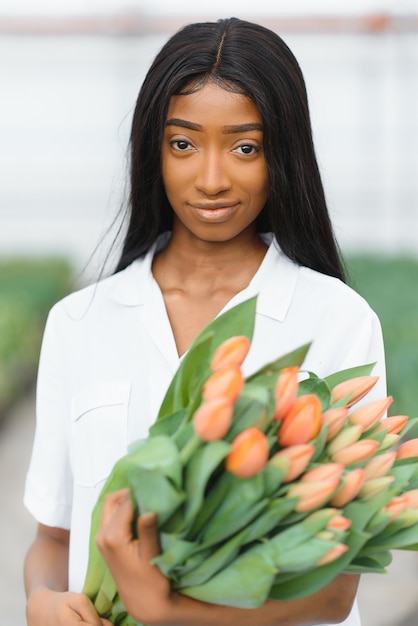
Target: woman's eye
[
  {"x": 247, "y": 149},
  {"x": 181, "y": 145}
]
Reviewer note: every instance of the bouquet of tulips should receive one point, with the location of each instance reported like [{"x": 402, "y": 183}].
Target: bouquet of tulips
[{"x": 269, "y": 486}]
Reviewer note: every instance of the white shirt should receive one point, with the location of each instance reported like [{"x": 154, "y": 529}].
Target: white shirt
[{"x": 109, "y": 354}]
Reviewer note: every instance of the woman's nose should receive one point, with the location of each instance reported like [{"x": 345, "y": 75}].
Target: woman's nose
[{"x": 212, "y": 177}]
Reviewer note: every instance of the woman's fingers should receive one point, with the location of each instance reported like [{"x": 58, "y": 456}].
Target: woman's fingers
[
  {"x": 115, "y": 523},
  {"x": 111, "y": 504},
  {"x": 148, "y": 545}
]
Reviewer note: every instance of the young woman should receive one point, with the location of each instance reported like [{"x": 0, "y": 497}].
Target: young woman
[{"x": 226, "y": 202}]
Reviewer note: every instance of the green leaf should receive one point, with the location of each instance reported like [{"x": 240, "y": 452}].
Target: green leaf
[
  {"x": 397, "y": 541},
  {"x": 411, "y": 430},
  {"x": 267, "y": 375},
  {"x": 174, "y": 551},
  {"x": 304, "y": 556},
  {"x": 243, "y": 502},
  {"x": 316, "y": 386},
  {"x": 275, "y": 511},
  {"x": 218, "y": 559},
  {"x": 245, "y": 583},
  {"x": 306, "y": 584},
  {"x": 196, "y": 365},
  {"x": 152, "y": 491},
  {"x": 157, "y": 453},
  {"x": 167, "y": 425},
  {"x": 373, "y": 564},
  {"x": 251, "y": 409},
  {"x": 198, "y": 471}
]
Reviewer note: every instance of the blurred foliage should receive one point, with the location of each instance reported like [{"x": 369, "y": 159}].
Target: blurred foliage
[
  {"x": 390, "y": 285},
  {"x": 28, "y": 289}
]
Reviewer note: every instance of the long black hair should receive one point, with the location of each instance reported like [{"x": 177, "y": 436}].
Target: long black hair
[{"x": 252, "y": 60}]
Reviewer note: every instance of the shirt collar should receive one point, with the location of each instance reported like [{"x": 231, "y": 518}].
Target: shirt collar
[{"x": 274, "y": 282}]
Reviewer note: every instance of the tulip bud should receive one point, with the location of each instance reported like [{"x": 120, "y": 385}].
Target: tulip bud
[
  {"x": 390, "y": 440},
  {"x": 369, "y": 414},
  {"x": 249, "y": 453},
  {"x": 285, "y": 391},
  {"x": 324, "y": 472},
  {"x": 354, "y": 389},
  {"x": 374, "y": 486},
  {"x": 326, "y": 535},
  {"x": 379, "y": 465},
  {"x": 345, "y": 438},
  {"x": 225, "y": 383},
  {"x": 333, "y": 554},
  {"x": 339, "y": 523},
  {"x": 230, "y": 353},
  {"x": 297, "y": 459},
  {"x": 312, "y": 494},
  {"x": 408, "y": 449},
  {"x": 335, "y": 420},
  {"x": 393, "y": 424},
  {"x": 395, "y": 507},
  {"x": 408, "y": 517},
  {"x": 212, "y": 419},
  {"x": 356, "y": 452},
  {"x": 302, "y": 422},
  {"x": 412, "y": 496},
  {"x": 351, "y": 484}
]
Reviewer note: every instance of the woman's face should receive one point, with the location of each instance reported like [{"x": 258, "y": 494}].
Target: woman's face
[{"x": 213, "y": 164}]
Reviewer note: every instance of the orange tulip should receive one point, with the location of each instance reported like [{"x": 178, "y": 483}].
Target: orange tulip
[
  {"x": 395, "y": 507},
  {"x": 339, "y": 523},
  {"x": 369, "y": 414},
  {"x": 412, "y": 496},
  {"x": 379, "y": 465},
  {"x": 408, "y": 449},
  {"x": 312, "y": 494},
  {"x": 394, "y": 424},
  {"x": 231, "y": 352},
  {"x": 351, "y": 485},
  {"x": 356, "y": 452},
  {"x": 333, "y": 554},
  {"x": 345, "y": 438},
  {"x": 302, "y": 422},
  {"x": 297, "y": 459},
  {"x": 324, "y": 472},
  {"x": 335, "y": 420},
  {"x": 354, "y": 389},
  {"x": 226, "y": 383},
  {"x": 212, "y": 419},
  {"x": 249, "y": 453},
  {"x": 285, "y": 391}
]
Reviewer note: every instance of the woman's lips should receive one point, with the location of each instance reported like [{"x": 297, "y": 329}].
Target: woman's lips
[{"x": 214, "y": 212}]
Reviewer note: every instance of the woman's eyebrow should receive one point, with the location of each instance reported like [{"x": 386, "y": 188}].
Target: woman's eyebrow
[
  {"x": 175, "y": 121},
  {"x": 230, "y": 129},
  {"x": 242, "y": 128}
]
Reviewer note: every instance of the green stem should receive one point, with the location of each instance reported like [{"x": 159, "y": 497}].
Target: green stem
[{"x": 191, "y": 446}]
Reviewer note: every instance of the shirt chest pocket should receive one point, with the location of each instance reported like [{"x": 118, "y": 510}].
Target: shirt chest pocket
[{"x": 99, "y": 430}]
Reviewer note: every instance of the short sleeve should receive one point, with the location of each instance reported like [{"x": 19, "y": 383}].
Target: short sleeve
[{"x": 48, "y": 489}]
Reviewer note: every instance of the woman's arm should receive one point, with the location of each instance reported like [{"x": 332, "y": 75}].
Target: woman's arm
[
  {"x": 156, "y": 604},
  {"x": 46, "y": 583}
]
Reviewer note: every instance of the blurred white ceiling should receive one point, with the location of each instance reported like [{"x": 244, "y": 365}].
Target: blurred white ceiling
[{"x": 239, "y": 7}]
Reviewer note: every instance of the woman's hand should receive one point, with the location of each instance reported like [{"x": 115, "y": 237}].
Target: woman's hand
[
  {"x": 61, "y": 608},
  {"x": 143, "y": 589}
]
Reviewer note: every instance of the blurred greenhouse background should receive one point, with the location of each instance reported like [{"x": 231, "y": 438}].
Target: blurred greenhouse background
[
  {"x": 69, "y": 82},
  {"x": 70, "y": 73}
]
